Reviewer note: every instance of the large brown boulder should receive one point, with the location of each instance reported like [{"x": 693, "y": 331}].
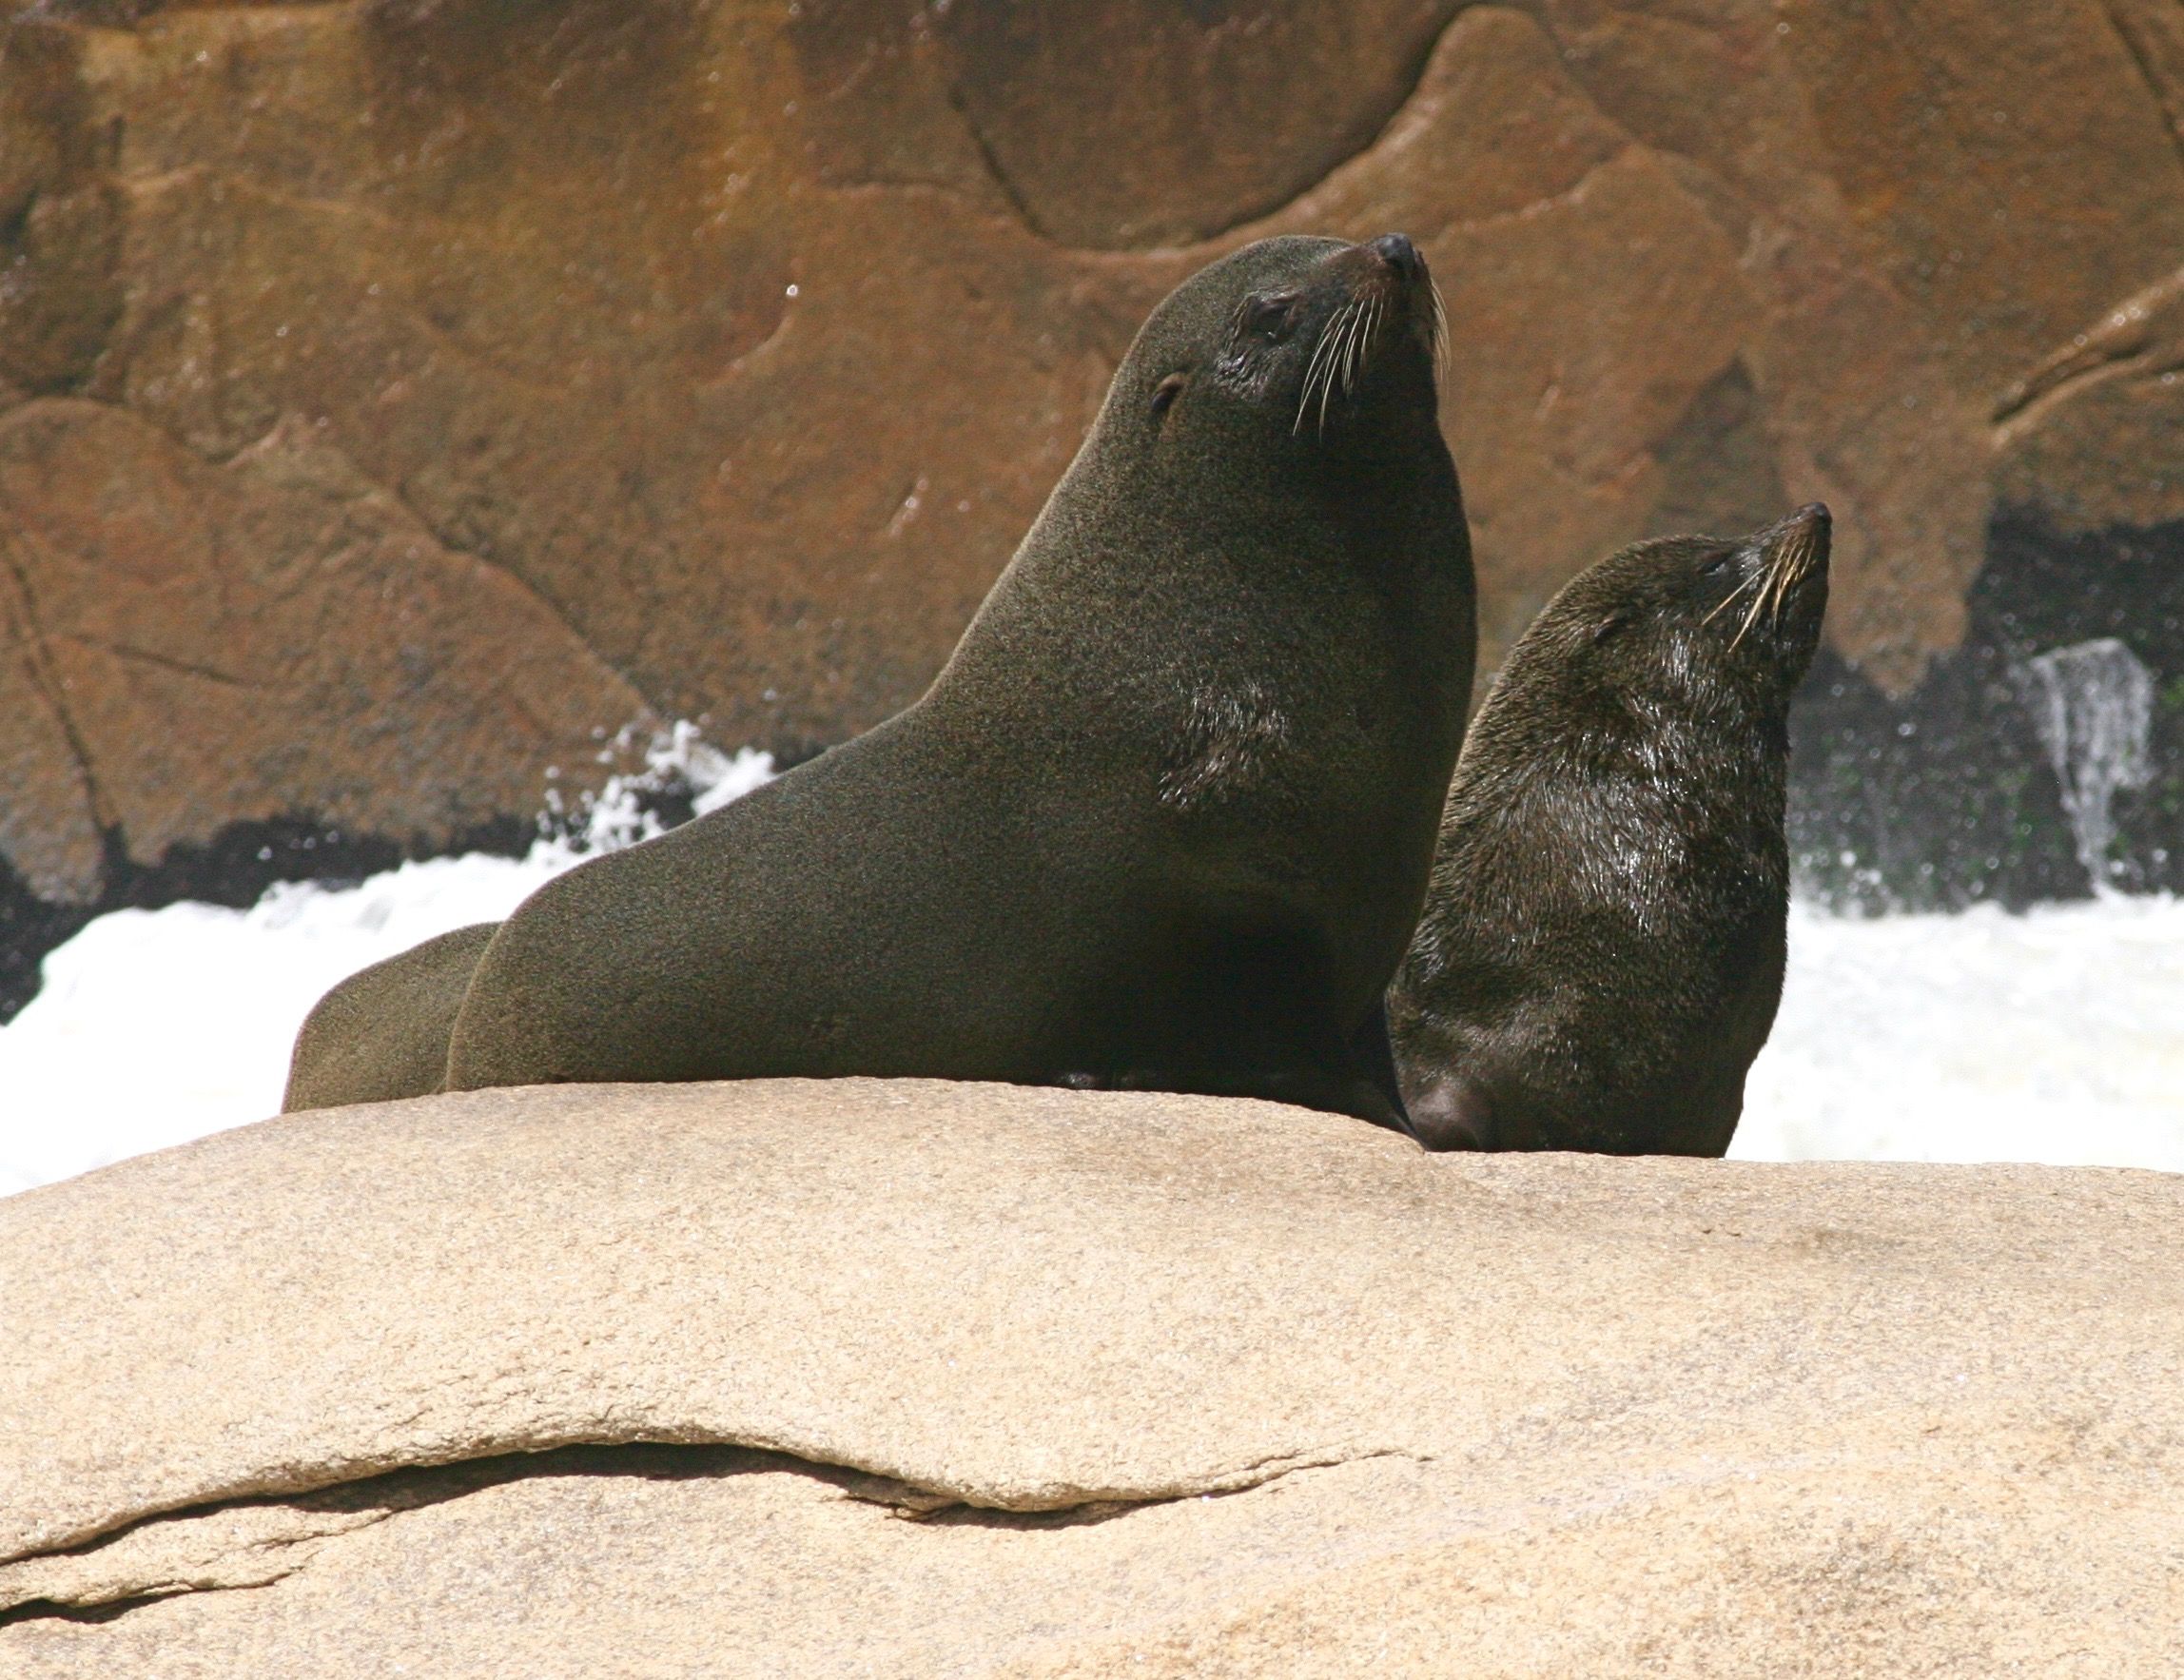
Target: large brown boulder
[
  {"x": 277, "y": 599},
  {"x": 741, "y": 343},
  {"x": 1172, "y": 1385}
]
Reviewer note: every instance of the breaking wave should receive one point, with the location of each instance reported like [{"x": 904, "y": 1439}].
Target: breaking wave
[{"x": 2051, "y": 1036}]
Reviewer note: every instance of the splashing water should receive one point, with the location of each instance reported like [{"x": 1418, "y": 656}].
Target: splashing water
[
  {"x": 2052, "y": 1036},
  {"x": 156, "y": 1027},
  {"x": 619, "y": 814},
  {"x": 2092, "y": 705}
]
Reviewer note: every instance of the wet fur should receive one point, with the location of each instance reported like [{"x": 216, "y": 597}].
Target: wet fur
[{"x": 1601, "y": 954}]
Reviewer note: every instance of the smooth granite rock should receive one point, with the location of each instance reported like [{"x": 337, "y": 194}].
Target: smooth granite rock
[{"x": 807, "y": 1378}]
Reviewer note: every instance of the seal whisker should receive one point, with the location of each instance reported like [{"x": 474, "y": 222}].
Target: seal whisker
[
  {"x": 1355, "y": 314},
  {"x": 1346, "y": 322},
  {"x": 1323, "y": 362},
  {"x": 1361, "y": 344},
  {"x": 1440, "y": 329},
  {"x": 1789, "y": 570},
  {"x": 1319, "y": 355},
  {"x": 1771, "y": 578},
  {"x": 1327, "y": 381},
  {"x": 1727, "y": 602},
  {"x": 1352, "y": 313},
  {"x": 1786, "y": 571},
  {"x": 1322, "y": 354},
  {"x": 1758, "y": 604}
]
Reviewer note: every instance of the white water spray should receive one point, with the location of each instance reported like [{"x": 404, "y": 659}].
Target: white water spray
[
  {"x": 155, "y": 1027},
  {"x": 2092, "y": 705}
]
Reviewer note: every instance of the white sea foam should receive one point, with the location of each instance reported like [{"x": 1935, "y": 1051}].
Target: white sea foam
[
  {"x": 156, "y": 1027},
  {"x": 2056, "y": 1036}
]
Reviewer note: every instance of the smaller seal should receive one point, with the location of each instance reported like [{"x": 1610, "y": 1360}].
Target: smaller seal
[
  {"x": 383, "y": 1033},
  {"x": 1601, "y": 953}
]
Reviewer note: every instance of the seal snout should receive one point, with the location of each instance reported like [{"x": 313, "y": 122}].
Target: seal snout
[
  {"x": 1393, "y": 271},
  {"x": 1396, "y": 250},
  {"x": 1384, "y": 291},
  {"x": 1788, "y": 585},
  {"x": 1404, "y": 274},
  {"x": 1794, "y": 546},
  {"x": 1810, "y": 523}
]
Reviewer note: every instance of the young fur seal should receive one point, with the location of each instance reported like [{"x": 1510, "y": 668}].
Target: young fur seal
[
  {"x": 1601, "y": 953},
  {"x": 1165, "y": 819}
]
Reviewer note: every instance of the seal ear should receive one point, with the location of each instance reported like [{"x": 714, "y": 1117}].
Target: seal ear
[
  {"x": 1608, "y": 626},
  {"x": 1166, "y": 393}
]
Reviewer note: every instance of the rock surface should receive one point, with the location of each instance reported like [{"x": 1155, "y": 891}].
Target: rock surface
[
  {"x": 396, "y": 1369},
  {"x": 740, "y": 343}
]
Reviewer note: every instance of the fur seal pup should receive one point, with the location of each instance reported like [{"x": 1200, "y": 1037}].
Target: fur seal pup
[
  {"x": 383, "y": 1033},
  {"x": 1164, "y": 821},
  {"x": 1601, "y": 953}
]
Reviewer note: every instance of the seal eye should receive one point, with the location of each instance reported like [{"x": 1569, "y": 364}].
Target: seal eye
[
  {"x": 1269, "y": 318},
  {"x": 1166, "y": 393}
]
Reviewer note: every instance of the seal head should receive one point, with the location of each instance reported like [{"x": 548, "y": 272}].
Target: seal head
[
  {"x": 1164, "y": 820},
  {"x": 1601, "y": 954}
]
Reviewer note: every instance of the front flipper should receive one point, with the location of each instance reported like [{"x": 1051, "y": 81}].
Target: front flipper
[{"x": 1453, "y": 1113}]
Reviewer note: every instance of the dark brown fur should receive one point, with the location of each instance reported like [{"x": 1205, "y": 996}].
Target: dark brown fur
[
  {"x": 1601, "y": 954},
  {"x": 1165, "y": 819}
]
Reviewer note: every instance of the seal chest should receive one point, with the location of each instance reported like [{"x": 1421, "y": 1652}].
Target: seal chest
[
  {"x": 1165, "y": 819},
  {"x": 1601, "y": 953}
]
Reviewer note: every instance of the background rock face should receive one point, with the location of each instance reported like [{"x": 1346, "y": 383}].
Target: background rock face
[
  {"x": 722, "y": 352},
  {"x": 398, "y": 1367}
]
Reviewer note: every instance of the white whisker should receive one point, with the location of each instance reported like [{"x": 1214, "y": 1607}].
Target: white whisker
[
  {"x": 1354, "y": 351},
  {"x": 1727, "y": 602},
  {"x": 1338, "y": 333},
  {"x": 1323, "y": 356}
]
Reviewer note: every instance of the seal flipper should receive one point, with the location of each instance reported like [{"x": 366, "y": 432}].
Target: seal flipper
[
  {"x": 1453, "y": 1113},
  {"x": 383, "y": 1033}
]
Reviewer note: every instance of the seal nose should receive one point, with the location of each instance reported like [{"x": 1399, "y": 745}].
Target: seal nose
[
  {"x": 1396, "y": 250},
  {"x": 1800, "y": 534}
]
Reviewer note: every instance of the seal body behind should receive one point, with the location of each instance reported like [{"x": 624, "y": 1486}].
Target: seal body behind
[
  {"x": 1602, "y": 949},
  {"x": 1164, "y": 821},
  {"x": 383, "y": 1033}
]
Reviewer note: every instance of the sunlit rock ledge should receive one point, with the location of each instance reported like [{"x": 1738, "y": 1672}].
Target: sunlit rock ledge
[{"x": 589, "y": 1381}]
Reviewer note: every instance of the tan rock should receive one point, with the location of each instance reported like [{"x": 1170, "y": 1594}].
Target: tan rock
[{"x": 1515, "y": 1414}]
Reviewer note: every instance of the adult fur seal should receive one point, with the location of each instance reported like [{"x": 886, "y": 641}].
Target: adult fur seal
[
  {"x": 1165, "y": 818},
  {"x": 1601, "y": 953},
  {"x": 383, "y": 1033}
]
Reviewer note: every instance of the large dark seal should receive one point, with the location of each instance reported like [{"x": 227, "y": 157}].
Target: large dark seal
[
  {"x": 1164, "y": 820},
  {"x": 383, "y": 1033},
  {"x": 1601, "y": 953}
]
